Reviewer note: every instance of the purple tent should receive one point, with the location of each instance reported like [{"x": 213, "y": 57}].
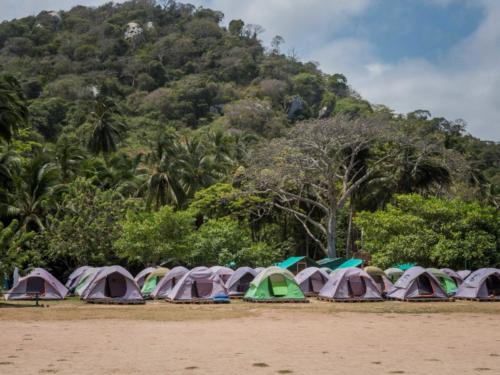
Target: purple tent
[
  {"x": 167, "y": 282},
  {"x": 311, "y": 280},
  {"x": 40, "y": 282},
  {"x": 464, "y": 274},
  {"x": 259, "y": 269},
  {"x": 416, "y": 283},
  {"x": 113, "y": 283},
  {"x": 350, "y": 284},
  {"x": 454, "y": 275},
  {"x": 481, "y": 284},
  {"x": 239, "y": 282},
  {"x": 141, "y": 276},
  {"x": 75, "y": 276},
  {"x": 198, "y": 285},
  {"x": 223, "y": 272}
]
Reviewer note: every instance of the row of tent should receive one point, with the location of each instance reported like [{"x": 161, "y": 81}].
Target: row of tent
[{"x": 219, "y": 284}]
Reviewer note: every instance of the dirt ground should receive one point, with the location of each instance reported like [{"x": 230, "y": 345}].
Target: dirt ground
[{"x": 316, "y": 338}]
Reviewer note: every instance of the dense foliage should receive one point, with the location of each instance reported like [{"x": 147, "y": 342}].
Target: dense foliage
[{"x": 143, "y": 133}]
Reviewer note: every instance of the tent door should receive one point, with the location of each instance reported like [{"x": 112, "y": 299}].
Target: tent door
[
  {"x": 356, "y": 286},
  {"x": 277, "y": 285},
  {"x": 116, "y": 285},
  {"x": 316, "y": 282},
  {"x": 424, "y": 285},
  {"x": 493, "y": 285},
  {"x": 244, "y": 283},
  {"x": 35, "y": 285},
  {"x": 201, "y": 289}
]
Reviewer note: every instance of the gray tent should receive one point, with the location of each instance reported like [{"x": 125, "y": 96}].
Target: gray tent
[
  {"x": 350, "y": 284},
  {"x": 417, "y": 283},
  {"x": 167, "y": 283},
  {"x": 311, "y": 280},
  {"x": 464, "y": 274},
  {"x": 239, "y": 282},
  {"x": 141, "y": 276},
  {"x": 454, "y": 275},
  {"x": 113, "y": 283},
  {"x": 75, "y": 276},
  {"x": 223, "y": 272},
  {"x": 37, "y": 282},
  {"x": 198, "y": 285},
  {"x": 259, "y": 269},
  {"x": 393, "y": 274},
  {"x": 481, "y": 284}
]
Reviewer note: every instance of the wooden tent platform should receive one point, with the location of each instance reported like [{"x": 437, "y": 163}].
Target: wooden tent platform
[
  {"x": 197, "y": 302},
  {"x": 359, "y": 300},
  {"x": 478, "y": 299},
  {"x": 276, "y": 300},
  {"x": 112, "y": 301},
  {"x": 416, "y": 300}
]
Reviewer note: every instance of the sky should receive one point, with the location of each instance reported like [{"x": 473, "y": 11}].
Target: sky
[{"x": 439, "y": 55}]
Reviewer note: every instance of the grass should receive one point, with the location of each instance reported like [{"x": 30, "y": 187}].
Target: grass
[{"x": 74, "y": 309}]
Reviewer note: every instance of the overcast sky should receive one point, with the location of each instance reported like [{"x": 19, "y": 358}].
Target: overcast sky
[{"x": 440, "y": 55}]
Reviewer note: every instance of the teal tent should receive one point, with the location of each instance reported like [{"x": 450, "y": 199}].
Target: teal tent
[
  {"x": 405, "y": 266},
  {"x": 297, "y": 264},
  {"x": 351, "y": 263},
  {"x": 331, "y": 263}
]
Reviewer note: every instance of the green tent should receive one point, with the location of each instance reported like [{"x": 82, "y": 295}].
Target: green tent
[
  {"x": 351, "y": 263},
  {"x": 332, "y": 263},
  {"x": 297, "y": 264},
  {"x": 274, "y": 284},
  {"x": 449, "y": 285},
  {"x": 152, "y": 280}
]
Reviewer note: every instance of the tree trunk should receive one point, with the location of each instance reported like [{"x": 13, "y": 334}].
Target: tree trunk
[
  {"x": 331, "y": 235},
  {"x": 349, "y": 234}
]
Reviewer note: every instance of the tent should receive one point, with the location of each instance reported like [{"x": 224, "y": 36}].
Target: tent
[
  {"x": 240, "y": 280},
  {"x": 449, "y": 285},
  {"x": 152, "y": 280},
  {"x": 483, "y": 284},
  {"x": 274, "y": 284},
  {"x": 166, "y": 283},
  {"x": 84, "y": 280},
  {"x": 393, "y": 274},
  {"x": 405, "y": 266},
  {"x": 331, "y": 263},
  {"x": 112, "y": 284},
  {"x": 223, "y": 272},
  {"x": 74, "y": 277},
  {"x": 350, "y": 284},
  {"x": 297, "y": 264},
  {"x": 351, "y": 263},
  {"x": 417, "y": 283},
  {"x": 198, "y": 285},
  {"x": 327, "y": 270},
  {"x": 454, "y": 275},
  {"x": 380, "y": 278},
  {"x": 311, "y": 280},
  {"x": 141, "y": 276},
  {"x": 259, "y": 269},
  {"x": 464, "y": 274},
  {"x": 39, "y": 283}
]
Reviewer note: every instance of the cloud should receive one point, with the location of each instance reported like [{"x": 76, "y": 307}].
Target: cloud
[
  {"x": 463, "y": 84},
  {"x": 22, "y": 8}
]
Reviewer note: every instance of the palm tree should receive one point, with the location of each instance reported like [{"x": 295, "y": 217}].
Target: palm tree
[
  {"x": 68, "y": 157},
  {"x": 10, "y": 166},
  {"x": 106, "y": 130},
  {"x": 39, "y": 182},
  {"x": 13, "y": 109},
  {"x": 164, "y": 185}
]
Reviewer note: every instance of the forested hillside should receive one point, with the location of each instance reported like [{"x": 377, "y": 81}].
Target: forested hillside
[{"x": 145, "y": 133}]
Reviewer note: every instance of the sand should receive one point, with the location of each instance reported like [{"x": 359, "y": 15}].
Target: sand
[{"x": 272, "y": 341}]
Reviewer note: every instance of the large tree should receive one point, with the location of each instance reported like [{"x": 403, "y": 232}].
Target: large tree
[
  {"x": 13, "y": 109},
  {"x": 315, "y": 170}
]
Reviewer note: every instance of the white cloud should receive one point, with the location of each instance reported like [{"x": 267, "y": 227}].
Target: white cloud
[
  {"x": 21, "y": 8},
  {"x": 464, "y": 84}
]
